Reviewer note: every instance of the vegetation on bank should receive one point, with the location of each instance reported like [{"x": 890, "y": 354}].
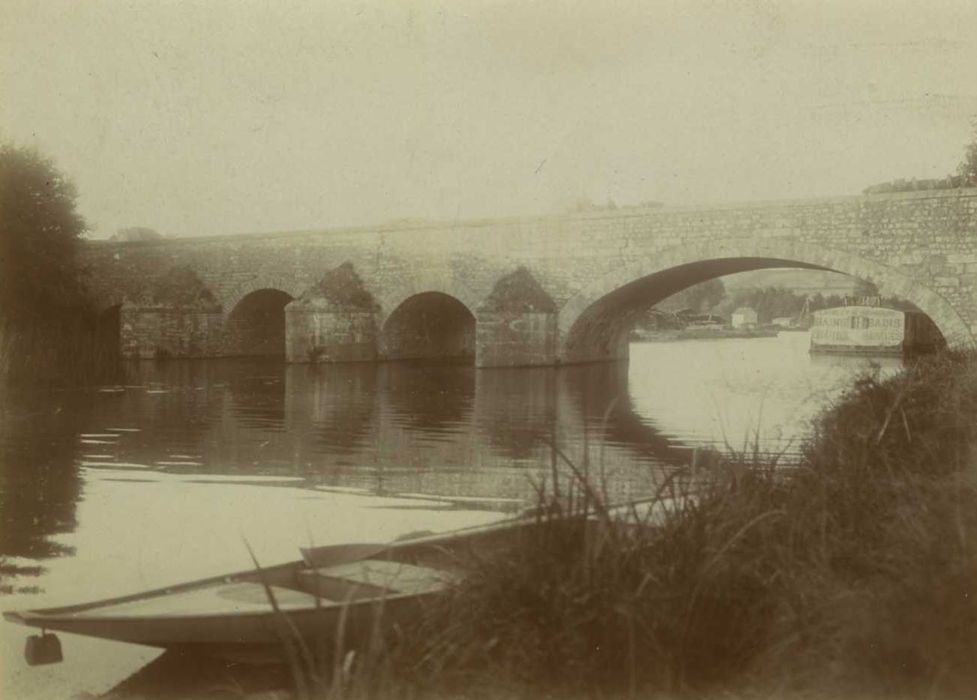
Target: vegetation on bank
[
  {"x": 40, "y": 233},
  {"x": 966, "y": 175},
  {"x": 48, "y": 327},
  {"x": 769, "y": 302},
  {"x": 850, "y": 574}
]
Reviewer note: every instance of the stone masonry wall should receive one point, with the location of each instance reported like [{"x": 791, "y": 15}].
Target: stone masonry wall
[
  {"x": 319, "y": 333},
  {"x": 513, "y": 339},
  {"x": 920, "y": 245},
  {"x": 164, "y": 331}
]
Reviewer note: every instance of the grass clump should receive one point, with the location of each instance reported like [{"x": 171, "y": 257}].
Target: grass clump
[
  {"x": 661, "y": 598},
  {"x": 855, "y": 575},
  {"x": 881, "y": 542}
]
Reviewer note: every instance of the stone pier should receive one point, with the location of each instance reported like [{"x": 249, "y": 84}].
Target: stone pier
[{"x": 333, "y": 321}]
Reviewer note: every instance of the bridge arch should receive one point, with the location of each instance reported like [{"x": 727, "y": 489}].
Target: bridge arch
[
  {"x": 255, "y": 325},
  {"x": 393, "y": 295},
  {"x": 231, "y": 297},
  {"x": 428, "y": 325},
  {"x": 594, "y": 323}
]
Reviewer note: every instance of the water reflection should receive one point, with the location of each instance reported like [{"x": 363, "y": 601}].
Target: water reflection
[
  {"x": 337, "y": 403},
  {"x": 529, "y": 419},
  {"x": 602, "y": 393},
  {"x": 433, "y": 399},
  {"x": 39, "y": 482},
  {"x": 404, "y": 428}
]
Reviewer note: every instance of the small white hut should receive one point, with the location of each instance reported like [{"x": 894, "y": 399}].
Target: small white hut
[{"x": 743, "y": 317}]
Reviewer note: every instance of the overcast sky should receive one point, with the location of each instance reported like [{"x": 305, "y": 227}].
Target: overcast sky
[{"x": 216, "y": 117}]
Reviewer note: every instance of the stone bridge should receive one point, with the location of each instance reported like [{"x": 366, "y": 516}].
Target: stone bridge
[{"x": 509, "y": 292}]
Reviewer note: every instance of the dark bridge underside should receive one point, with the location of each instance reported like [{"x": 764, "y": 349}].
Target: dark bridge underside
[
  {"x": 427, "y": 326},
  {"x": 256, "y": 326},
  {"x": 601, "y": 332}
]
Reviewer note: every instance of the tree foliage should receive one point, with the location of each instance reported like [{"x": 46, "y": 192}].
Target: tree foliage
[
  {"x": 968, "y": 166},
  {"x": 700, "y": 298},
  {"x": 39, "y": 236},
  {"x": 966, "y": 175},
  {"x": 770, "y": 302}
]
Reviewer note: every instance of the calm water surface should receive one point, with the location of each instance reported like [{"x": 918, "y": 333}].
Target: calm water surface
[{"x": 113, "y": 490}]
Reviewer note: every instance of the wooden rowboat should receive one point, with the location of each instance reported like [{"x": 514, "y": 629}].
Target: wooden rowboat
[
  {"x": 335, "y": 593},
  {"x": 248, "y": 615}
]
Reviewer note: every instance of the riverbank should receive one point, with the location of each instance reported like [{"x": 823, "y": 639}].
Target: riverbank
[
  {"x": 854, "y": 577},
  {"x": 664, "y": 336}
]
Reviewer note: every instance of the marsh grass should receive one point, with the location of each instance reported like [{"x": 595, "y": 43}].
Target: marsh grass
[{"x": 853, "y": 576}]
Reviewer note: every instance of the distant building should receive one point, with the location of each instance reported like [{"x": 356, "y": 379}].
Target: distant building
[
  {"x": 743, "y": 317},
  {"x": 783, "y": 322}
]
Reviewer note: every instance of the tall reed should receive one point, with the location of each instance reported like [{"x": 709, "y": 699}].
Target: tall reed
[{"x": 854, "y": 576}]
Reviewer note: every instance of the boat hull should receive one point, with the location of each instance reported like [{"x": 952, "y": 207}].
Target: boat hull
[
  {"x": 339, "y": 593},
  {"x": 337, "y": 596},
  {"x": 252, "y": 636}
]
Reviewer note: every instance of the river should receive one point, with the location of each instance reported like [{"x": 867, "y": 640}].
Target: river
[{"x": 115, "y": 489}]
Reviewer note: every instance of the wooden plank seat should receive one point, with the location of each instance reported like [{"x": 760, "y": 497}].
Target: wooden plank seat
[{"x": 374, "y": 578}]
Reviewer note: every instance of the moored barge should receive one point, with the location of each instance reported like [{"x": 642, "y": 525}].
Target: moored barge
[{"x": 873, "y": 330}]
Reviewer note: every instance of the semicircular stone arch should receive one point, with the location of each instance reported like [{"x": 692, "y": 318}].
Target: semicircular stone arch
[
  {"x": 397, "y": 292},
  {"x": 428, "y": 325},
  {"x": 593, "y": 322},
  {"x": 232, "y": 297},
  {"x": 255, "y": 326}
]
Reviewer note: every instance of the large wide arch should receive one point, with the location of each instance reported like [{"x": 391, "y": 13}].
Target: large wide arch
[
  {"x": 594, "y": 322},
  {"x": 429, "y": 325},
  {"x": 255, "y": 326}
]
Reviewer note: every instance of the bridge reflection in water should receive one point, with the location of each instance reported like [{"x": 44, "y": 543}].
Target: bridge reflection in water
[
  {"x": 405, "y": 428},
  {"x": 445, "y": 429}
]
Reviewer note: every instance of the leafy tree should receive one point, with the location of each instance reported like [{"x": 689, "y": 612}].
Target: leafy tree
[
  {"x": 768, "y": 302},
  {"x": 706, "y": 295},
  {"x": 968, "y": 167},
  {"x": 966, "y": 175},
  {"x": 864, "y": 288},
  {"x": 699, "y": 297},
  {"x": 39, "y": 236}
]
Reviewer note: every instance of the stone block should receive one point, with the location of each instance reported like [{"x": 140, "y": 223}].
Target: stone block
[
  {"x": 324, "y": 334},
  {"x": 515, "y": 339},
  {"x": 964, "y": 258},
  {"x": 159, "y": 332}
]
